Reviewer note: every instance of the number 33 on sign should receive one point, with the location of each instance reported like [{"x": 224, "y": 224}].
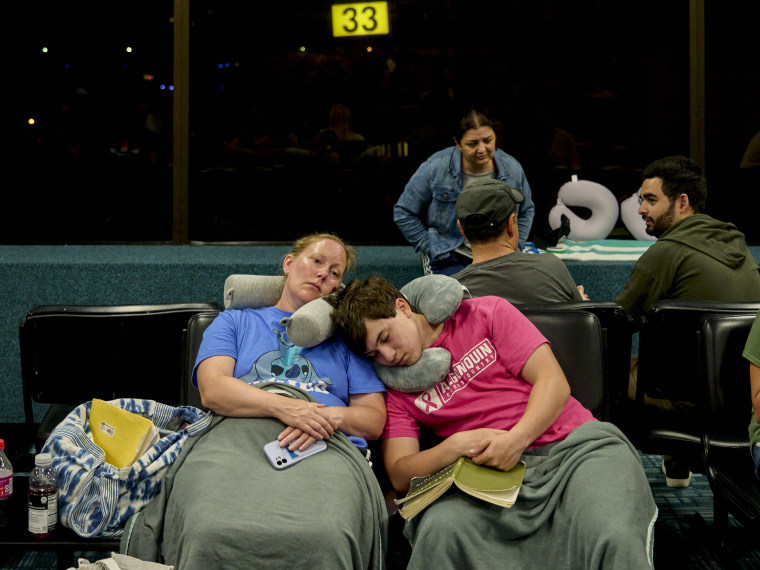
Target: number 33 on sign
[{"x": 364, "y": 19}]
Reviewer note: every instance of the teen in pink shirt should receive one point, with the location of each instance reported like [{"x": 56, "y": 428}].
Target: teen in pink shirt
[
  {"x": 490, "y": 341},
  {"x": 584, "y": 502}
]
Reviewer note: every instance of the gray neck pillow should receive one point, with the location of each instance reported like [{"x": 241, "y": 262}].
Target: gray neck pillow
[{"x": 435, "y": 296}]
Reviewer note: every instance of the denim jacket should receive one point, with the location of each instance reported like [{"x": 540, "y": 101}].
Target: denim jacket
[{"x": 426, "y": 214}]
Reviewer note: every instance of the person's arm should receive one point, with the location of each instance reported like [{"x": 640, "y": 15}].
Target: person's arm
[
  {"x": 545, "y": 404},
  {"x": 754, "y": 381},
  {"x": 637, "y": 295},
  {"x": 363, "y": 417},
  {"x": 651, "y": 279},
  {"x": 403, "y": 459},
  {"x": 525, "y": 213},
  {"x": 515, "y": 177},
  {"x": 560, "y": 272},
  {"x": 497, "y": 448},
  {"x": 226, "y": 395},
  {"x": 411, "y": 207}
]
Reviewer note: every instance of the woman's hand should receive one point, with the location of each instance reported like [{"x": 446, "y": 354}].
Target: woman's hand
[
  {"x": 228, "y": 396},
  {"x": 294, "y": 438},
  {"x": 306, "y": 421},
  {"x": 364, "y": 417}
]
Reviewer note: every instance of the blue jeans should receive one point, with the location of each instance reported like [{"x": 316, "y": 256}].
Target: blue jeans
[
  {"x": 453, "y": 263},
  {"x": 756, "y": 457}
]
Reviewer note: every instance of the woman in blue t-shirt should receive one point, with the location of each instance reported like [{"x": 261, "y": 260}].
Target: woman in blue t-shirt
[
  {"x": 224, "y": 505},
  {"x": 251, "y": 345}
]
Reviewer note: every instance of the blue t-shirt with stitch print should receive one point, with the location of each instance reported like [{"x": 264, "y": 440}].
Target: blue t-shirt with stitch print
[{"x": 330, "y": 372}]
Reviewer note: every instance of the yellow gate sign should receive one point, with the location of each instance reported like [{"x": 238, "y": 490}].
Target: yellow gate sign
[{"x": 364, "y": 19}]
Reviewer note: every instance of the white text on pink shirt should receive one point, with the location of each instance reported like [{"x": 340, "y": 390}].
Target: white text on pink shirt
[{"x": 480, "y": 357}]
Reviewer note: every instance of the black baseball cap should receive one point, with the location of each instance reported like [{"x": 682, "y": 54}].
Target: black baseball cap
[{"x": 486, "y": 202}]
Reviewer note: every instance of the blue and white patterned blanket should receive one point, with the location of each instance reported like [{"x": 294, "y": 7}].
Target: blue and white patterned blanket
[{"x": 95, "y": 499}]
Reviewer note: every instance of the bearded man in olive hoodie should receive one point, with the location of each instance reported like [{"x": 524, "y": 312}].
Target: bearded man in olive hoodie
[{"x": 695, "y": 257}]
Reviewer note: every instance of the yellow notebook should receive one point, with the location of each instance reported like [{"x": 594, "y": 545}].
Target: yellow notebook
[
  {"x": 486, "y": 483},
  {"x": 123, "y": 436}
]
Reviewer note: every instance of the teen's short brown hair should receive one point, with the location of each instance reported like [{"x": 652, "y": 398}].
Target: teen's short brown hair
[{"x": 371, "y": 298}]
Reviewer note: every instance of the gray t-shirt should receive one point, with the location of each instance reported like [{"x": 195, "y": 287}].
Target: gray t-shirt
[{"x": 521, "y": 278}]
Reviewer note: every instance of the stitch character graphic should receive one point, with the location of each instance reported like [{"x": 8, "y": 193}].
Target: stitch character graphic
[{"x": 288, "y": 365}]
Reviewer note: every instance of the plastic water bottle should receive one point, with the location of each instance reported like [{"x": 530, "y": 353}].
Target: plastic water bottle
[
  {"x": 43, "y": 497},
  {"x": 6, "y": 485}
]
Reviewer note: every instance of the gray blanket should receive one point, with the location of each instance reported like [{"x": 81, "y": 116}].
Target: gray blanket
[
  {"x": 585, "y": 503},
  {"x": 223, "y": 505}
]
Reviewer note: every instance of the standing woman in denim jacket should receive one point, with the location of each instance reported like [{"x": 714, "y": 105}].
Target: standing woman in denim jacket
[{"x": 425, "y": 212}]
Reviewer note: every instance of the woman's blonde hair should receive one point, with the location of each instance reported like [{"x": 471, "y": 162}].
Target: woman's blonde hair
[{"x": 303, "y": 242}]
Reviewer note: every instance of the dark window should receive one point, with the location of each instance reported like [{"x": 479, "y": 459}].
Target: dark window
[
  {"x": 87, "y": 140},
  {"x": 265, "y": 163},
  {"x": 732, "y": 95}
]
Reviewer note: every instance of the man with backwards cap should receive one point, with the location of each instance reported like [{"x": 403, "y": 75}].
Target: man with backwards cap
[{"x": 487, "y": 216}]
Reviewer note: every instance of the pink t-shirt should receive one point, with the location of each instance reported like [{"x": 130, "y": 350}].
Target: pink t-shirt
[{"x": 489, "y": 341}]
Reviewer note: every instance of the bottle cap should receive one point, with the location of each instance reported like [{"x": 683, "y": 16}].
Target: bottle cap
[{"x": 43, "y": 459}]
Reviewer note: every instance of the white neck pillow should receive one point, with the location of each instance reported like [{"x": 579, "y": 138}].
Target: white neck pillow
[
  {"x": 597, "y": 198},
  {"x": 629, "y": 213}
]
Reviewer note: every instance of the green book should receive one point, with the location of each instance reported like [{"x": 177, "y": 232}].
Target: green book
[{"x": 486, "y": 483}]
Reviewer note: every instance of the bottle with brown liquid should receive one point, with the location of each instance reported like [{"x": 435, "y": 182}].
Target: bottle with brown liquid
[
  {"x": 6, "y": 486},
  {"x": 43, "y": 497}
]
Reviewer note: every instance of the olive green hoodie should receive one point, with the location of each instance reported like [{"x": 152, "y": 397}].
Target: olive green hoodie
[{"x": 697, "y": 258}]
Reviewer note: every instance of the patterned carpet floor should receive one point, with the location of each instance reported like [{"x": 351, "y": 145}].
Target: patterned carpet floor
[{"x": 683, "y": 534}]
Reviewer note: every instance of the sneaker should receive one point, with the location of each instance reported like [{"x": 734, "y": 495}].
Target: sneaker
[{"x": 677, "y": 473}]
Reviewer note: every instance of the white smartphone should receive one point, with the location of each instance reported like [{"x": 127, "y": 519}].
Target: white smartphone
[{"x": 282, "y": 457}]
